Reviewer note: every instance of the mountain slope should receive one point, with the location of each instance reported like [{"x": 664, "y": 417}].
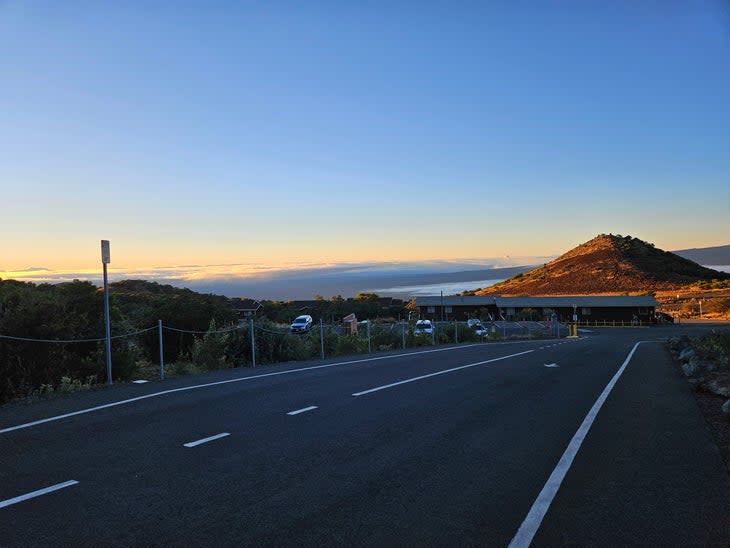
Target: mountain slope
[{"x": 607, "y": 264}]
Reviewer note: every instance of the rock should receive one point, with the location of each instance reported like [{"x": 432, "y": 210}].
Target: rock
[
  {"x": 686, "y": 354},
  {"x": 701, "y": 365},
  {"x": 677, "y": 344},
  {"x": 696, "y": 383},
  {"x": 689, "y": 370},
  {"x": 726, "y": 407},
  {"x": 719, "y": 384}
]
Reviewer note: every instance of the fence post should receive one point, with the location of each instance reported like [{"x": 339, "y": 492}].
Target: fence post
[
  {"x": 253, "y": 346},
  {"x": 321, "y": 338},
  {"x": 403, "y": 334},
  {"x": 456, "y": 332},
  {"x": 369, "y": 347},
  {"x": 162, "y": 351},
  {"x": 433, "y": 333}
]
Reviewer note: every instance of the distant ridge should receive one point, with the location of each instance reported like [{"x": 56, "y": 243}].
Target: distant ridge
[
  {"x": 608, "y": 264},
  {"x": 717, "y": 255}
]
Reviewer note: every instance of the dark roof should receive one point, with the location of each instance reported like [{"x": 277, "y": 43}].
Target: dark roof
[
  {"x": 595, "y": 301},
  {"x": 455, "y": 300},
  {"x": 245, "y": 304},
  {"x": 301, "y": 305},
  {"x": 588, "y": 301}
]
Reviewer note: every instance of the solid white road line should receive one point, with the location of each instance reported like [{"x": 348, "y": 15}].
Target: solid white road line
[
  {"x": 551, "y": 365},
  {"x": 206, "y": 440},
  {"x": 531, "y": 524},
  {"x": 44, "y": 491},
  {"x": 302, "y": 410},
  {"x": 391, "y": 385}
]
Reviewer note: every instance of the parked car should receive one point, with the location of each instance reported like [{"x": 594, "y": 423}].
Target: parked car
[
  {"x": 301, "y": 324},
  {"x": 423, "y": 326},
  {"x": 482, "y": 331},
  {"x": 474, "y": 323}
]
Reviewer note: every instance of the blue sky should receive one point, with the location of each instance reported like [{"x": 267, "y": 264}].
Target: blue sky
[{"x": 280, "y": 134}]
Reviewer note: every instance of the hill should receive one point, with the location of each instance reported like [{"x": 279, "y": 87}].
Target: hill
[
  {"x": 608, "y": 264},
  {"x": 717, "y": 255}
]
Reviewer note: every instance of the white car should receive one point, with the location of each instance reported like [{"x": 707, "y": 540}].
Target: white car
[
  {"x": 301, "y": 324},
  {"x": 423, "y": 326},
  {"x": 474, "y": 323}
]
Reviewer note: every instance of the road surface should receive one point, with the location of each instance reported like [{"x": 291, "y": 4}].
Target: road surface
[{"x": 446, "y": 446}]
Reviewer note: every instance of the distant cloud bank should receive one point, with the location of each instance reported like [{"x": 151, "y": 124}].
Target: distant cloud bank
[{"x": 295, "y": 280}]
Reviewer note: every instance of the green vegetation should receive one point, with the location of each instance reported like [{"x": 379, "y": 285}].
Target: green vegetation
[
  {"x": 715, "y": 347},
  {"x": 74, "y": 310},
  {"x": 711, "y": 284}
]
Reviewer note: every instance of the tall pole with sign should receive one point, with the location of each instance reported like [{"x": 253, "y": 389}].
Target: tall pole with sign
[{"x": 105, "y": 260}]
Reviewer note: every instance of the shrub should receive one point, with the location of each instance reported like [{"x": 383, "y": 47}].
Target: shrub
[
  {"x": 210, "y": 351},
  {"x": 715, "y": 346}
]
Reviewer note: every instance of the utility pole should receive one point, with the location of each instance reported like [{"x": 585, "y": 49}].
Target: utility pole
[{"x": 105, "y": 260}]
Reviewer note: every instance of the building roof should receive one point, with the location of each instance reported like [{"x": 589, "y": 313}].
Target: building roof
[
  {"x": 595, "y": 301},
  {"x": 455, "y": 300},
  {"x": 245, "y": 304}
]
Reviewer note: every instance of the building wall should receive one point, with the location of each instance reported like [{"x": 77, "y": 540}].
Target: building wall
[
  {"x": 460, "y": 313},
  {"x": 565, "y": 314}
]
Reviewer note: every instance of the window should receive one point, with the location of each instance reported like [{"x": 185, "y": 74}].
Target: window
[
  {"x": 585, "y": 311},
  {"x": 431, "y": 309},
  {"x": 448, "y": 310},
  {"x": 510, "y": 311}
]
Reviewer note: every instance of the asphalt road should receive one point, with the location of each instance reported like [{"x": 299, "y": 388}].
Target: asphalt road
[{"x": 440, "y": 448}]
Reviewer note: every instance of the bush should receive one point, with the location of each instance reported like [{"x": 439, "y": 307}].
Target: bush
[
  {"x": 210, "y": 351},
  {"x": 715, "y": 346}
]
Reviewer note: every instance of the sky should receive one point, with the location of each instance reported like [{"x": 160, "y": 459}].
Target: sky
[{"x": 288, "y": 135}]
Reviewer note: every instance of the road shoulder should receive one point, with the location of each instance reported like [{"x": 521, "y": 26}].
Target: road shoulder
[{"x": 649, "y": 464}]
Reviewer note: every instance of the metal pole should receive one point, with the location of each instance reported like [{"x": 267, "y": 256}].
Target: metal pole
[
  {"x": 369, "y": 348},
  {"x": 107, "y": 323},
  {"x": 162, "y": 353},
  {"x": 321, "y": 338},
  {"x": 433, "y": 333},
  {"x": 403, "y": 333},
  {"x": 456, "y": 332},
  {"x": 253, "y": 345}
]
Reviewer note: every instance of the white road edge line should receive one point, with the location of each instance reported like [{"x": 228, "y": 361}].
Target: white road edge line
[
  {"x": 206, "y": 440},
  {"x": 38, "y": 493},
  {"x": 302, "y": 410},
  {"x": 539, "y": 509},
  {"x": 239, "y": 379},
  {"x": 391, "y": 385}
]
